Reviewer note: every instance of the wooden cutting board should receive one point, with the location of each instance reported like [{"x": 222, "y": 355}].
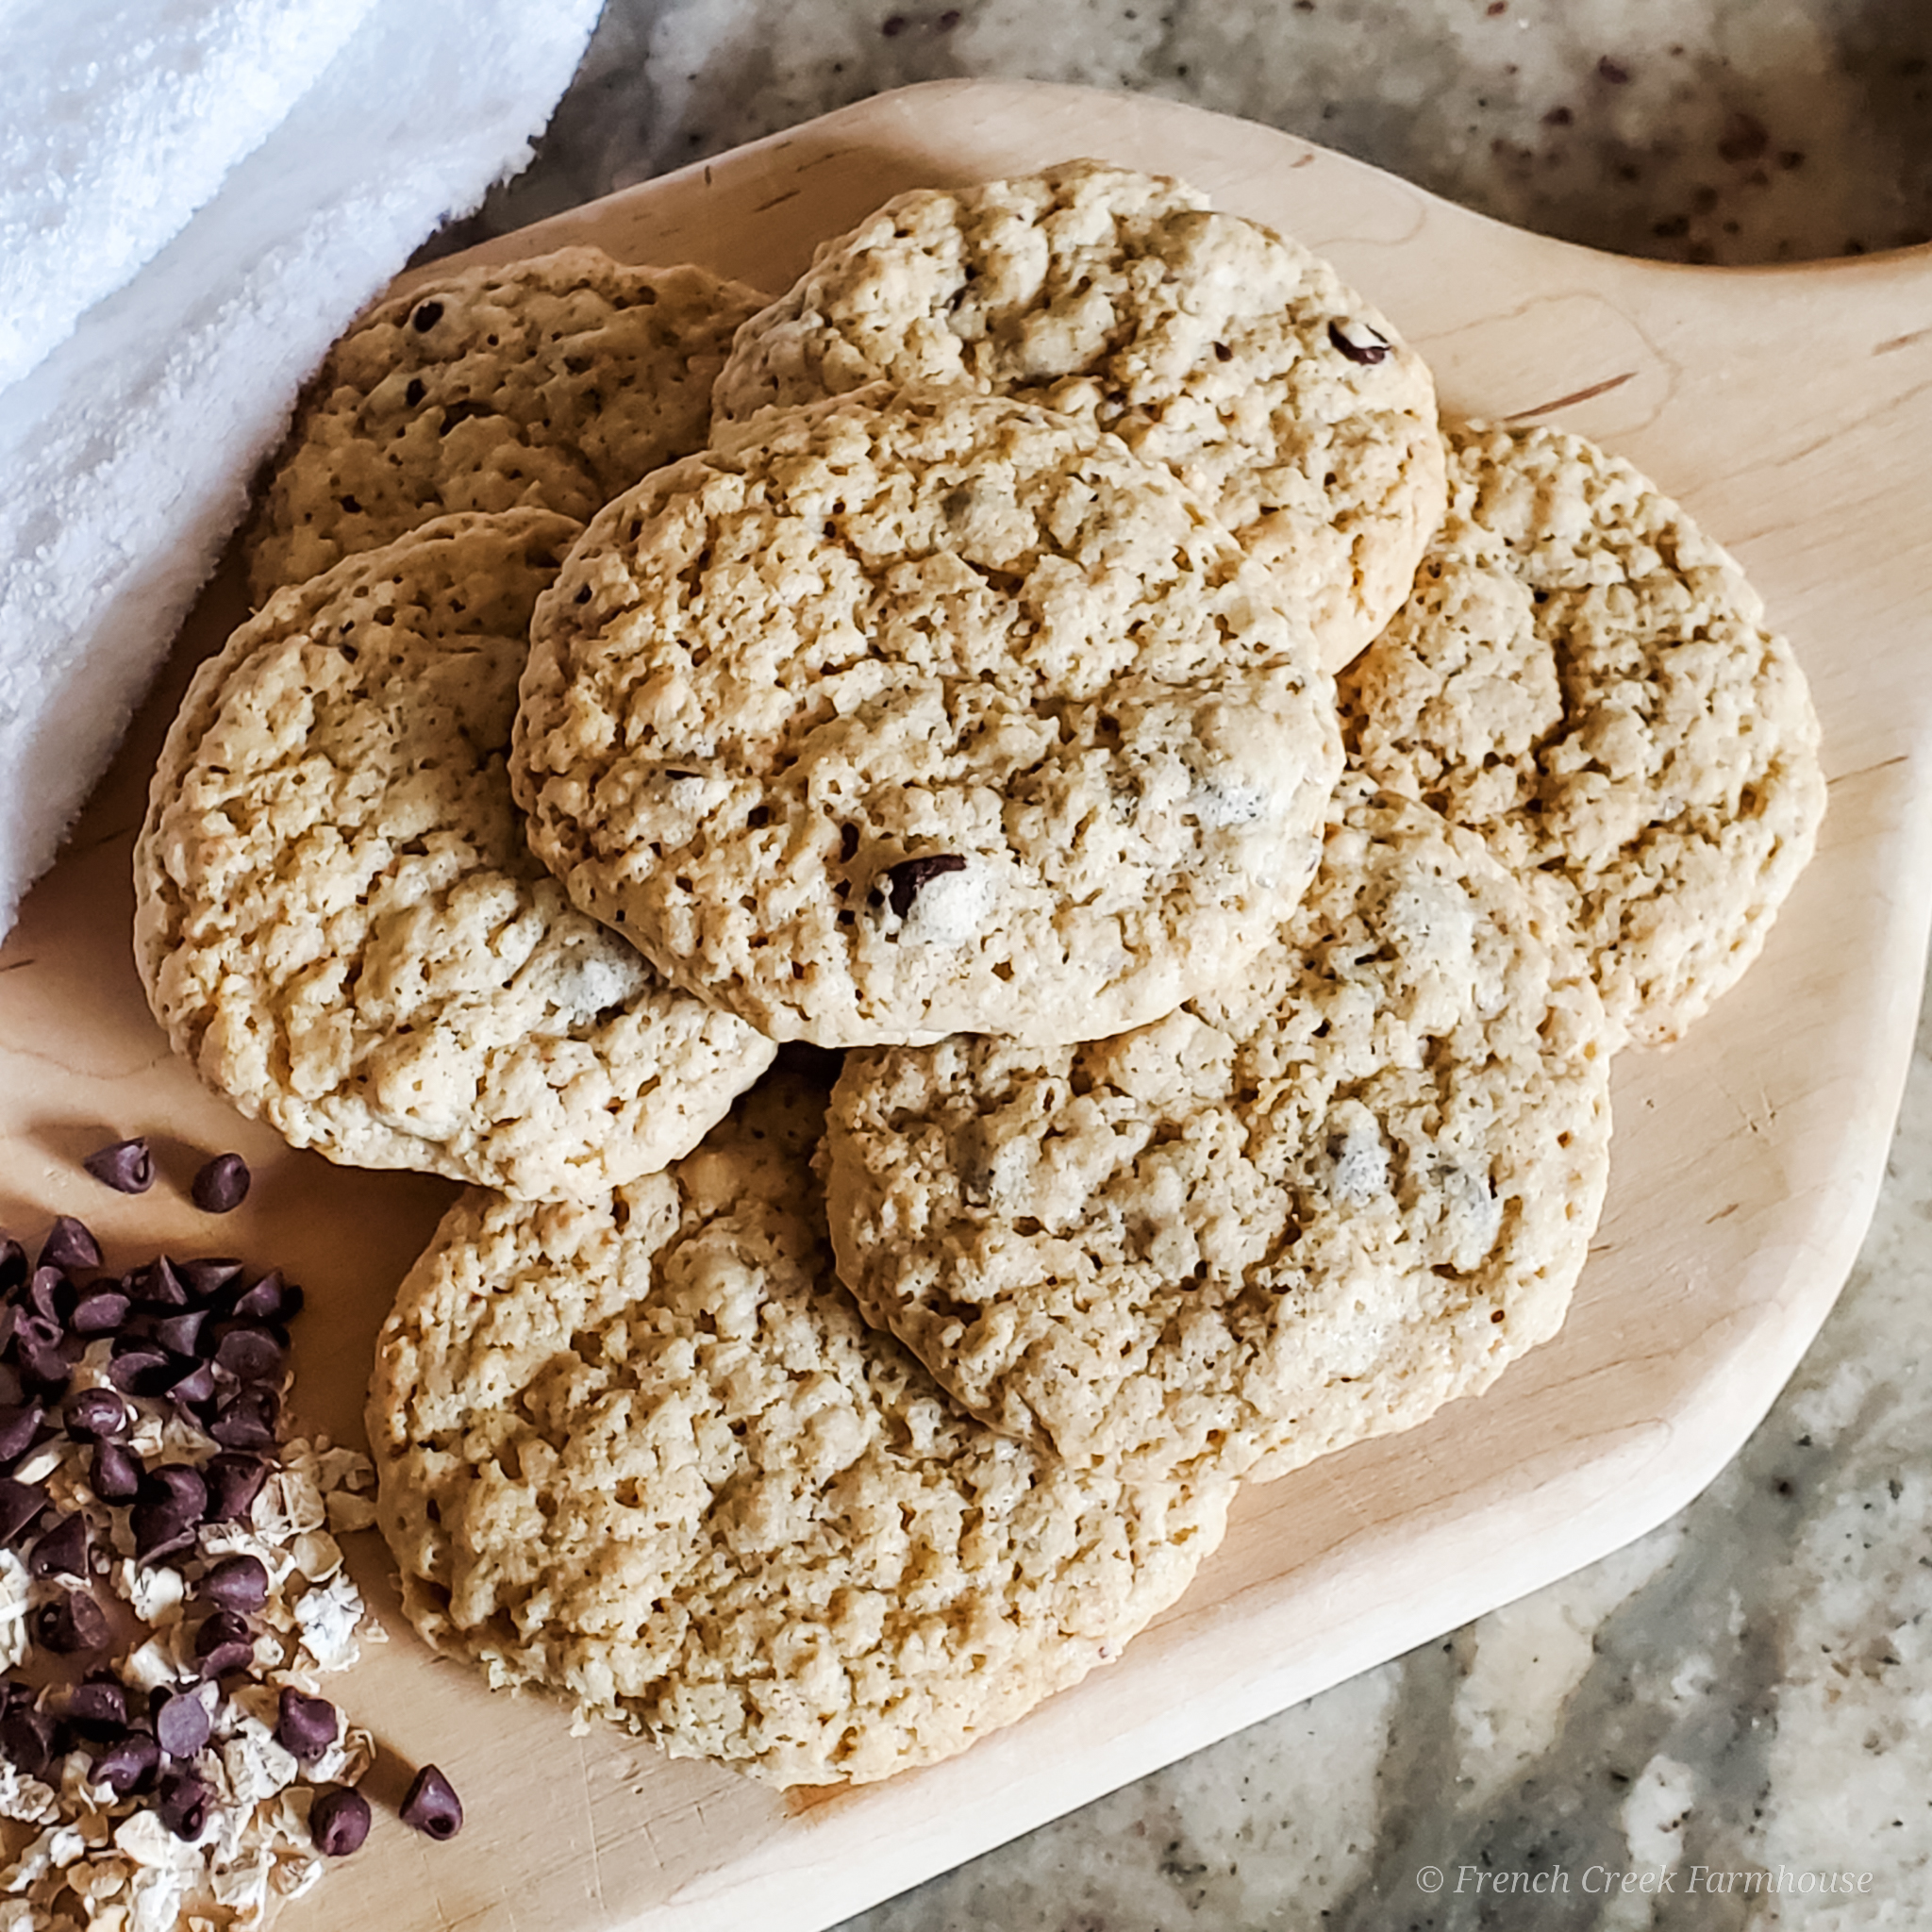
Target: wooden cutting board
[{"x": 1791, "y": 410}]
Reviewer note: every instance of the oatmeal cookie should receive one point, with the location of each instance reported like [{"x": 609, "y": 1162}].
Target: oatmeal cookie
[
  {"x": 1306, "y": 1211},
  {"x": 339, "y": 922},
  {"x": 920, "y": 711},
  {"x": 1585, "y": 679},
  {"x": 1205, "y": 341},
  {"x": 644, "y": 1452},
  {"x": 552, "y": 383}
]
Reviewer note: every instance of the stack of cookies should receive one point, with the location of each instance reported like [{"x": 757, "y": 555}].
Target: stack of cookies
[{"x": 837, "y": 818}]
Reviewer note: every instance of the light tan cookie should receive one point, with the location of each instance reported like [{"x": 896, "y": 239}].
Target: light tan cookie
[
  {"x": 551, "y": 383},
  {"x": 337, "y": 920},
  {"x": 645, "y": 1452},
  {"x": 1204, "y": 341},
  {"x": 1306, "y": 1212},
  {"x": 924, "y": 712},
  {"x": 1585, "y": 679}
]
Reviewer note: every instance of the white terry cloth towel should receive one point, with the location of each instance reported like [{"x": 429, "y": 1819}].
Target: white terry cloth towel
[
  {"x": 125, "y": 457},
  {"x": 118, "y": 119}
]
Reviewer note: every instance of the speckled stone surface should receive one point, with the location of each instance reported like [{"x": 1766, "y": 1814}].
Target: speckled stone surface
[
  {"x": 1728, "y": 1726},
  {"x": 1692, "y": 130}
]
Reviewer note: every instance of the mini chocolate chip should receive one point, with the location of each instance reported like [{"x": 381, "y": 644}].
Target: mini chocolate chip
[
  {"x": 116, "y": 1472},
  {"x": 224, "y": 1642},
  {"x": 36, "y": 1354},
  {"x": 94, "y": 1414},
  {"x": 98, "y": 1709},
  {"x": 196, "y": 1386},
  {"x": 848, "y": 843},
  {"x": 69, "y": 1622},
  {"x": 184, "y": 1722},
  {"x": 1375, "y": 350},
  {"x": 20, "y": 1503},
  {"x": 583, "y": 595},
  {"x": 271, "y": 1299},
  {"x": 18, "y": 1428},
  {"x": 206, "y": 1277},
  {"x": 99, "y": 1312},
  {"x": 61, "y": 1551},
  {"x": 179, "y": 1486},
  {"x": 1223, "y": 353},
  {"x": 139, "y": 1368},
  {"x": 338, "y": 1820},
  {"x": 221, "y": 1185},
  {"x": 432, "y": 1806},
  {"x": 909, "y": 876},
  {"x": 247, "y": 1418},
  {"x": 161, "y": 1528},
  {"x": 157, "y": 1284},
  {"x": 128, "y": 1763},
  {"x": 414, "y": 393},
  {"x": 181, "y": 1802},
  {"x": 304, "y": 1726},
  {"x": 69, "y": 1244},
  {"x": 424, "y": 316},
  {"x": 169, "y": 1513},
  {"x": 234, "y": 1481},
  {"x": 27, "y": 1738},
  {"x": 251, "y": 1355},
  {"x": 236, "y": 1583},
  {"x": 180, "y": 1333},
  {"x": 127, "y": 1166},
  {"x": 51, "y": 1296}
]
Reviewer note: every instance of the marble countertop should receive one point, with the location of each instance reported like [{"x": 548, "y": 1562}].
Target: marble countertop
[{"x": 1724, "y": 1724}]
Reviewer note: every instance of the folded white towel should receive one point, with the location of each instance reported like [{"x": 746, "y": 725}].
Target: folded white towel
[
  {"x": 125, "y": 457},
  {"x": 118, "y": 119}
]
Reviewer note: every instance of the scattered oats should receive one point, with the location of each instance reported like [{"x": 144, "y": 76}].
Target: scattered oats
[
  {"x": 346, "y": 1469},
  {"x": 149, "y": 1666},
  {"x": 155, "y": 1595},
  {"x": 293, "y": 1876},
  {"x": 317, "y": 1555},
  {"x": 288, "y": 1504},
  {"x": 347, "y": 1512},
  {"x": 54, "y": 1850},
  {"x": 143, "y": 1837},
  {"x": 258, "y": 1767},
  {"x": 346, "y": 1762},
  {"x": 39, "y": 1465},
  {"x": 157, "y": 1894},
  {"x": 328, "y": 1615},
  {"x": 243, "y": 1887},
  {"x": 26, "y": 1799}
]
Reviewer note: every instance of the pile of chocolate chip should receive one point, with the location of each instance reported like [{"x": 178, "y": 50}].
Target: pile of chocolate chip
[{"x": 168, "y": 1589}]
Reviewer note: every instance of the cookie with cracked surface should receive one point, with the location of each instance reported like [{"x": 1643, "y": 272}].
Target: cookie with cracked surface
[
  {"x": 339, "y": 922},
  {"x": 1204, "y": 341},
  {"x": 1304, "y": 1212},
  {"x": 729, "y": 1513},
  {"x": 552, "y": 383},
  {"x": 920, "y": 711},
  {"x": 1585, "y": 679}
]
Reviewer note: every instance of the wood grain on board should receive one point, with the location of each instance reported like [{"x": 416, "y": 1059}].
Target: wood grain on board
[{"x": 1791, "y": 410}]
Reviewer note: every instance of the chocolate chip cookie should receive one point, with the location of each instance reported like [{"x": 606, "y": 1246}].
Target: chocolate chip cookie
[
  {"x": 918, "y": 711},
  {"x": 1204, "y": 341},
  {"x": 337, "y": 920}
]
